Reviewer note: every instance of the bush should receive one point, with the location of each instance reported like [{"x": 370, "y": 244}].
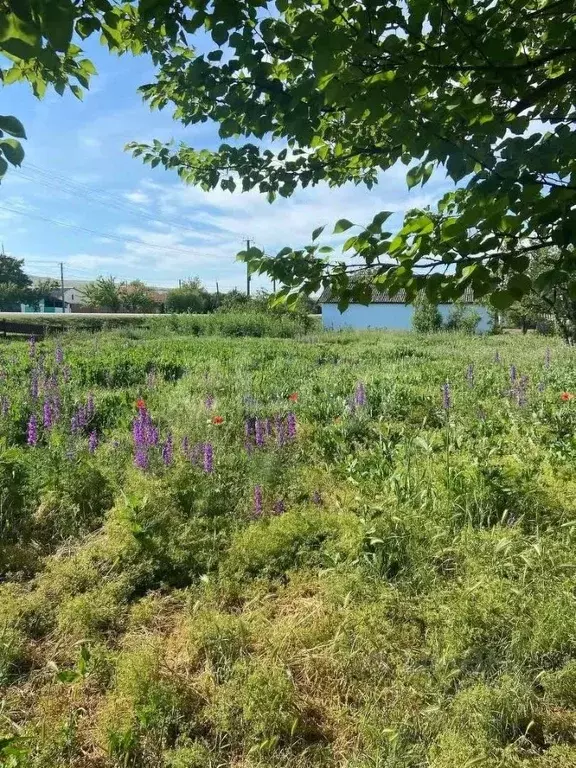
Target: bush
[
  {"x": 427, "y": 317},
  {"x": 462, "y": 318}
]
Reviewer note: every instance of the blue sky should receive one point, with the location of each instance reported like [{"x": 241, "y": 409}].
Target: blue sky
[{"x": 163, "y": 230}]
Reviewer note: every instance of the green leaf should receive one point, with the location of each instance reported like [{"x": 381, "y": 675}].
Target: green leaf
[
  {"x": 58, "y": 23},
  {"x": 413, "y": 176},
  {"x": 3, "y": 167},
  {"x": 341, "y": 226},
  {"x": 501, "y": 299},
  {"x": 13, "y": 126},
  {"x": 317, "y": 232},
  {"x": 220, "y": 34},
  {"x": 12, "y": 150}
]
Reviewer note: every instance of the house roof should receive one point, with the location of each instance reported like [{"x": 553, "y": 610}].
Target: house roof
[{"x": 383, "y": 297}]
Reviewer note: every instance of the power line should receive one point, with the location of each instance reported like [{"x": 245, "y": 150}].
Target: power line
[{"x": 95, "y": 232}]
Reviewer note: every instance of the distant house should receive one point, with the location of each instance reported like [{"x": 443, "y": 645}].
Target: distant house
[{"x": 385, "y": 311}]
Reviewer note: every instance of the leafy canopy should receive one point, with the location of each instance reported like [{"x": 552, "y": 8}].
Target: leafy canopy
[{"x": 482, "y": 89}]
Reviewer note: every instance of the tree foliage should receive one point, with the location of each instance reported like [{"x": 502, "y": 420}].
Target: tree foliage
[
  {"x": 480, "y": 89},
  {"x": 426, "y": 317},
  {"x": 104, "y": 292},
  {"x": 15, "y": 285},
  {"x": 188, "y": 297},
  {"x": 484, "y": 91}
]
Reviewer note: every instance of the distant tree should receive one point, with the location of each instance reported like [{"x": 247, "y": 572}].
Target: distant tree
[
  {"x": 105, "y": 293},
  {"x": 136, "y": 297},
  {"x": 189, "y": 297},
  {"x": 462, "y": 318},
  {"x": 14, "y": 283},
  {"x": 43, "y": 290},
  {"x": 427, "y": 317}
]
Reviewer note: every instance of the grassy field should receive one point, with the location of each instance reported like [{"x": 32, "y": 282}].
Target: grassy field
[{"x": 352, "y": 550}]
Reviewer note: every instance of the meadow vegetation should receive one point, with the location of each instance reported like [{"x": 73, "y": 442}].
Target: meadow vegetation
[{"x": 335, "y": 550}]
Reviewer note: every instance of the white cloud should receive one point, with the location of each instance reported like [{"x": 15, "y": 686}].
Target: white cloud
[{"x": 138, "y": 197}]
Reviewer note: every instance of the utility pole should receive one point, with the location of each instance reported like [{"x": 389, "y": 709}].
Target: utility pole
[
  {"x": 217, "y": 291},
  {"x": 62, "y": 285},
  {"x": 247, "y": 271}
]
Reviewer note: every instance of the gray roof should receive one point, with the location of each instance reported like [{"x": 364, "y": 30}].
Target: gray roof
[{"x": 383, "y": 297}]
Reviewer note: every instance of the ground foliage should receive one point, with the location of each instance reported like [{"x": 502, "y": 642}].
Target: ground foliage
[{"x": 382, "y": 574}]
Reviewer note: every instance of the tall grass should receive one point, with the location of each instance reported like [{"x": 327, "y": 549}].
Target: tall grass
[{"x": 401, "y": 596}]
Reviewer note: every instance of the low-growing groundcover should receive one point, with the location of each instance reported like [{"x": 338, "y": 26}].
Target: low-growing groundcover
[{"x": 349, "y": 550}]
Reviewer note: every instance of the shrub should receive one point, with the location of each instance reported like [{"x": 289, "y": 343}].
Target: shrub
[
  {"x": 426, "y": 317},
  {"x": 462, "y": 318}
]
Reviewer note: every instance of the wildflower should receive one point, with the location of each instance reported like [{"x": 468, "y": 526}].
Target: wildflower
[
  {"x": 152, "y": 435},
  {"x": 140, "y": 404},
  {"x": 167, "y": 450},
  {"x": 249, "y": 426},
  {"x": 56, "y": 407},
  {"x": 279, "y": 507},
  {"x": 208, "y": 458},
  {"x": 209, "y": 402},
  {"x": 74, "y": 426},
  {"x": 32, "y": 431},
  {"x": 141, "y": 458},
  {"x": 92, "y": 441},
  {"x": 259, "y": 433},
  {"x": 269, "y": 427},
  {"x": 59, "y": 355},
  {"x": 446, "y": 397},
  {"x": 548, "y": 357},
  {"x": 565, "y": 396},
  {"x": 67, "y": 374},
  {"x": 257, "y": 501},
  {"x": 32, "y": 346},
  {"x": 34, "y": 385},
  {"x": 317, "y": 498},
  {"x": 90, "y": 406},
  {"x": 521, "y": 392},
  {"x": 470, "y": 375},
  {"x": 81, "y": 417},
  {"x": 513, "y": 373},
  {"x": 185, "y": 446},
  {"x": 293, "y": 397},
  {"x": 47, "y": 414},
  {"x": 360, "y": 395},
  {"x": 218, "y": 420}
]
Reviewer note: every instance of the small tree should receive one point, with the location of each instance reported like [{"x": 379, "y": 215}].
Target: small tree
[
  {"x": 14, "y": 283},
  {"x": 189, "y": 297},
  {"x": 136, "y": 297},
  {"x": 462, "y": 318},
  {"x": 104, "y": 292},
  {"x": 427, "y": 317}
]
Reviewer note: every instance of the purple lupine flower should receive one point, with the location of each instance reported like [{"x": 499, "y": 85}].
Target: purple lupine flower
[
  {"x": 269, "y": 427},
  {"x": 74, "y": 426},
  {"x": 208, "y": 458},
  {"x": 470, "y": 375},
  {"x": 81, "y": 417},
  {"x": 34, "y": 385},
  {"x": 279, "y": 507},
  {"x": 92, "y": 441},
  {"x": 32, "y": 438},
  {"x": 196, "y": 452},
  {"x": 66, "y": 373},
  {"x": 259, "y": 433},
  {"x": 56, "y": 407},
  {"x": 360, "y": 395},
  {"x": 521, "y": 391},
  {"x": 138, "y": 431},
  {"x": 258, "y": 501},
  {"x": 513, "y": 373},
  {"x": 32, "y": 346},
  {"x": 47, "y": 414},
  {"x": 90, "y": 406},
  {"x": 59, "y": 355},
  {"x": 249, "y": 426},
  {"x": 446, "y": 396},
  {"x": 317, "y": 498},
  {"x": 209, "y": 402},
  {"x": 4, "y": 405},
  {"x": 280, "y": 432},
  {"x": 167, "y": 450},
  {"x": 291, "y": 421},
  {"x": 541, "y": 386},
  {"x": 141, "y": 458},
  {"x": 548, "y": 357},
  {"x": 152, "y": 435},
  {"x": 185, "y": 446}
]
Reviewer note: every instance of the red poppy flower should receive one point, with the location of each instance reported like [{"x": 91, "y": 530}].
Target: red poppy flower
[
  {"x": 140, "y": 404},
  {"x": 293, "y": 397},
  {"x": 218, "y": 420},
  {"x": 565, "y": 396}
]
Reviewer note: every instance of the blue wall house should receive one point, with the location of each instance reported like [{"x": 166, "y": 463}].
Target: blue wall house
[{"x": 389, "y": 312}]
